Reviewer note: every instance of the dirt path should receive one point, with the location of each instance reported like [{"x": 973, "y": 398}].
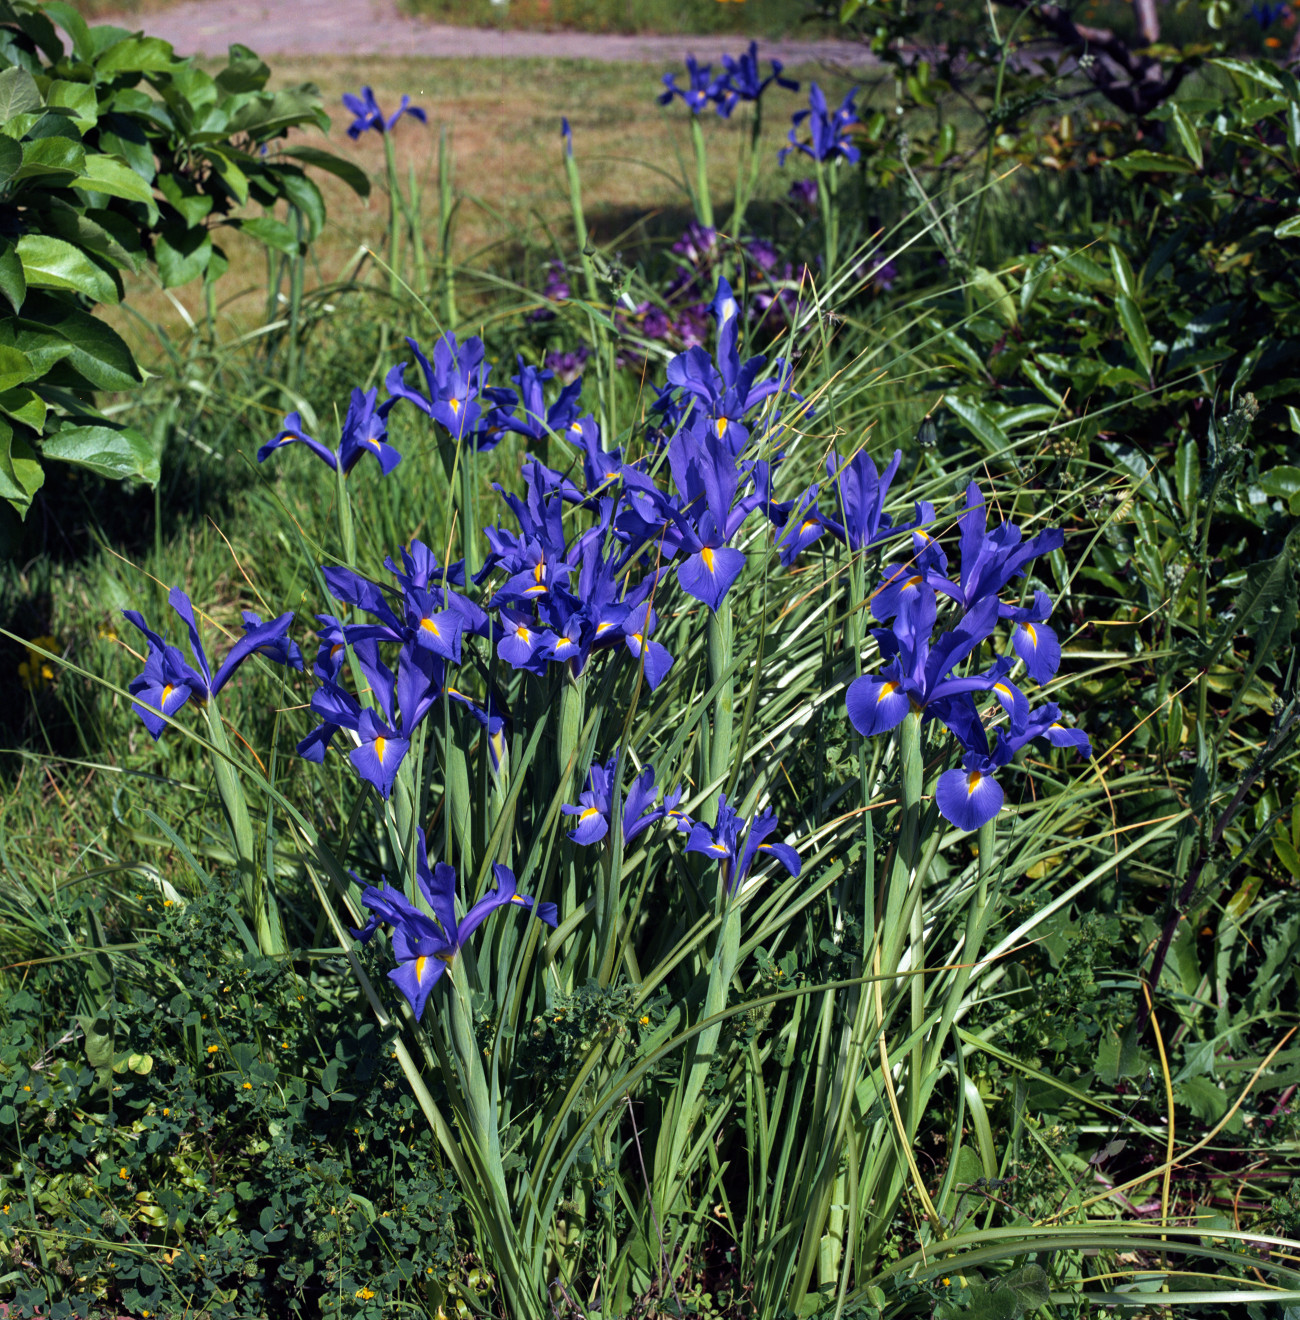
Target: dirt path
[{"x": 377, "y": 27}]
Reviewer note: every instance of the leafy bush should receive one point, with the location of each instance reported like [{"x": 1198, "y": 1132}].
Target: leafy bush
[{"x": 101, "y": 177}]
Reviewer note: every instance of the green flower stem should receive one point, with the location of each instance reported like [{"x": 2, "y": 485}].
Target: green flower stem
[
  {"x": 724, "y": 700},
  {"x": 468, "y": 511},
  {"x": 601, "y": 338},
  {"x": 703, "y": 198},
  {"x": 446, "y": 209},
  {"x": 747, "y": 169},
  {"x": 570, "y": 731},
  {"x": 394, "y": 217},
  {"x": 259, "y": 905},
  {"x": 827, "y": 178}
]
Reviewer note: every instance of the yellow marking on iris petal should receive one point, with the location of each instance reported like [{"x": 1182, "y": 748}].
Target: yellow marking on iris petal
[
  {"x": 600, "y": 628},
  {"x": 370, "y": 440},
  {"x": 721, "y": 426},
  {"x": 539, "y": 570},
  {"x": 380, "y": 743},
  {"x": 576, "y": 426},
  {"x": 419, "y": 969},
  {"x": 447, "y": 956},
  {"x": 335, "y": 649},
  {"x": 1002, "y": 689},
  {"x": 973, "y": 781},
  {"x": 638, "y": 638},
  {"x": 539, "y": 590},
  {"x": 455, "y": 692},
  {"x": 455, "y": 406},
  {"x": 717, "y": 848},
  {"x": 166, "y": 694},
  {"x": 521, "y": 899},
  {"x": 522, "y": 632},
  {"x": 429, "y": 626},
  {"x": 588, "y": 814},
  {"x": 807, "y": 523},
  {"x": 887, "y": 690},
  {"x": 1033, "y": 634},
  {"x": 912, "y": 581},
  {"x": 707, "y": 555}
]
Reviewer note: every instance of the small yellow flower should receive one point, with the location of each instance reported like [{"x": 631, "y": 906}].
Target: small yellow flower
[
  {"x": 645, "y": 1019},
  {"x": 36, "y": 671},
  {"x": 212, "y": 1049},
  {"x": 121, "y": 1173},
  {"x": 167, "y": 902},
  {"x": 166, "y": 1112},
  {"x": 248, "y": 1086},
  {"x": 4, "y": 1209},
  {"x": 364, "y": 1293},
  {"x": 27, "y": 1088}
]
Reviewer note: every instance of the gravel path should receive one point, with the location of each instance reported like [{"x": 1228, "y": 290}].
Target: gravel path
[{"x": 377, "y": 27}]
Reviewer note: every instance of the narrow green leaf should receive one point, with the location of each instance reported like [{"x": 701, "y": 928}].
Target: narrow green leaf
[
  {"x": 1288, "y": 228},
  {"x": 977, "y": 419},
  {"x": 1140, "y": 161},
  {"x": 1187, "y": 474},
  {"x": 1135, "y": 329},
  {"x": 1119, "y": 263},
  {"x": 1187, "y": 136}
]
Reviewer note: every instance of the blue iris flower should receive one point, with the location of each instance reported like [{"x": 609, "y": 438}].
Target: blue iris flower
[
  {"x": 369, "y": 116},
  {"x": 828, "y": 129},
  {"x": 1268, "y": 14},
  {"x": 426, "y": 946},
  {"x": 918, "y": 672},
  {"x": 735, "y": 845},
  {"x": 600, "y": 466},
  {"x": 718, "y": 398},
  {"x": 364, "y": 432},
  {"x": 539, "y": 421},
  {"x": 455, "y": 390},
  {"x": 970, "y": 796},
  {"x": 702, "y": 89},
  {"x": 639, "y": 810},
  {"x": 990, "y": 560},
  {"x": 743, "y": 82},
  {"x": 168, "y": 680}
]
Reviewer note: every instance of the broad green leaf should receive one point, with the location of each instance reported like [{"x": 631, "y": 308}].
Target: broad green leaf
[
  {"x": 78, "y": 97},
  {"x": 13, "y": 284},
  {"x": 51, "y": 155},
  {"x": 11, "y": 160},
  {"x": 53, "y": 330},
  {"x": 182, "y": 254},
  {"x": 23, "y": 405},
  {"x": 19, "y": 93},
  {"x": 53, "y": 263},
  {"x": 115, "y": 178},
  {"x": 274, "y": 233},
  {"x": 974, "y": 415},
  {"x": 1252, "y": 72},
  {"x": 1155, "y": 161},
  {"x": 1187, "y": 136},
  {"x": 138, "y": 54},
  {"x": 246, "y": 72},
  {"x": 20, "y": 471},
  {"x": 192, "y": 205},
  {"x": 1088, "y": 270},
  {"x": 120, "y": 135},
  {"x": 88, "y": 229},
  {"x": 1282, "y": 482},
  {"x": 231, "y": 175},
  {"x": 110, "y": 451},
  {"x": 1286, "y": 853},
  {"x": 66, "y": 16},
  {"x": 355, "y": 177},
  {"x": 15, "y": 367},
  {"x": 1288, "y": 228},
  {"x": 1135, "y": 330}
]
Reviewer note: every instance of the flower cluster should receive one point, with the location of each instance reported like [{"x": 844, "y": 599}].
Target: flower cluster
[
  {"x": 924, "y": 673},
  {"x": 741, "y": 80}
]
